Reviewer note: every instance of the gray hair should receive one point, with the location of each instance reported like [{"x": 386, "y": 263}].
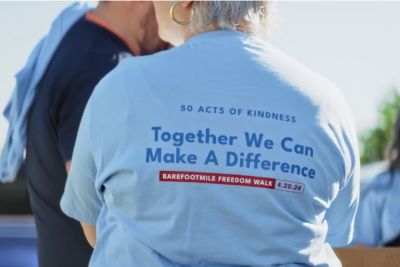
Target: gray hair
[{"x": 249, "y": 16}]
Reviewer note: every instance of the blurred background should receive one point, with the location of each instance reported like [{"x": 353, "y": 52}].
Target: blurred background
[{"x": 354, "y": 44}]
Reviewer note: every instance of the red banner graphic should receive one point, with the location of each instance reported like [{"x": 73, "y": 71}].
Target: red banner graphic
[{"x": 230, "y": 179}]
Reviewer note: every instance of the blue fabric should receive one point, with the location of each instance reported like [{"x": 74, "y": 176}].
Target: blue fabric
[
  {"x": 378, "y": 217},
  {"x": 220, "y": 152},
  {"x": 16, "y": 111}
]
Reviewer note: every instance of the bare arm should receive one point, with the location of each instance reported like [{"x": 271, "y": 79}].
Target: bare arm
[
  {"x": 90, "y": 233},
  {"x": 68, "y": 166}
]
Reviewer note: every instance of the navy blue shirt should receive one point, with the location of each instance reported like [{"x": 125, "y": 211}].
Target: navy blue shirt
[{"x": 86, "y": 54}]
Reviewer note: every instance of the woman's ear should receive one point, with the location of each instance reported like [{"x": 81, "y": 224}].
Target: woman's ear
[{"x": 187, "y": 4}]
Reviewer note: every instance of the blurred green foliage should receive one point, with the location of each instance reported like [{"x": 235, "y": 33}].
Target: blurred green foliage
[{"x": 373, "y": 143}]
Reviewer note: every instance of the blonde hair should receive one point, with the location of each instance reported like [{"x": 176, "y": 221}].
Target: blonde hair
[{"x": 248, "y": 16}]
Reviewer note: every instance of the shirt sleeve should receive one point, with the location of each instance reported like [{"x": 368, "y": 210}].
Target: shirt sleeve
[
  {"x": 80, "y": 199},
  {"x": 342, "y": 211},
  {"x": 97, "y": 138},
  {"x": 71, "y": 106},
  {"x": 341, "y": 214}
]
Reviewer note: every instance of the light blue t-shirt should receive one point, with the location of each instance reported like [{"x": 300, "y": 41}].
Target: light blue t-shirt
[
  {"x": 378, "y": 217},
  {"x": 220, "y": 152}
]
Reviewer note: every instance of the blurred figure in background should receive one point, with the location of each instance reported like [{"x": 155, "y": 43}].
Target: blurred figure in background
[
  {"x": 48, "y": 103},
  {"x": 378, "y": 217}
]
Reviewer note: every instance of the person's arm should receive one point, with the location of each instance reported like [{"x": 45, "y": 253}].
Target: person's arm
[
  {"x": 90, "y": 233},
  {"x": 69, "y": 114},
  {"x": 80, "y": 199},
  {"x": 68, "y": 166},
  {"x": 68, "y": 110},
  {"x": 83, "y": 193},
  {"x": 341, "y": 213}
]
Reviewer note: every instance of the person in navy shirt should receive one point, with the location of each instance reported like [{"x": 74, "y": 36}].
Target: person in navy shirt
[{"x": 93, "y": 46}]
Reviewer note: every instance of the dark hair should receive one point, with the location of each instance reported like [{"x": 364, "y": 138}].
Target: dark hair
[{"x": 393, "y": 149}]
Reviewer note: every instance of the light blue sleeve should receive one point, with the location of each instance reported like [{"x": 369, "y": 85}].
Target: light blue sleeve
[
  {"x": 342, "y": 212},
  {"x": 99, "y": 133},
  {"x": 80, "y": 199}
]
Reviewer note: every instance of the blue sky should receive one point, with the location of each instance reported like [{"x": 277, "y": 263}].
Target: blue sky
[{"x": 354, "y": 44}]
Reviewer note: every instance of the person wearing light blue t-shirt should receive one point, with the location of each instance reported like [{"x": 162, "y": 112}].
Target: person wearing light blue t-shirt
[
  {"x": 221, "y": 151},
  {"x": 377, "y": 220}
]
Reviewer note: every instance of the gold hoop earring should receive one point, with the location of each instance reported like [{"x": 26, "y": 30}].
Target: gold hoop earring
[{"x": 174, "y": 19}]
